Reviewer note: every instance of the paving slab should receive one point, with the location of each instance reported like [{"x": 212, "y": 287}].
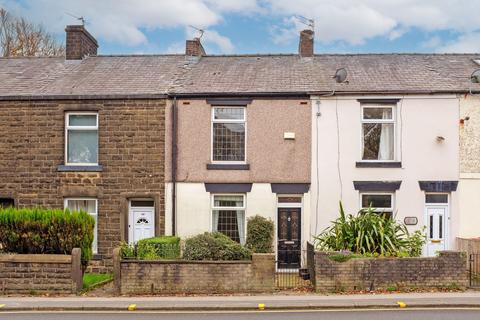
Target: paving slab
[{"x": 424, "y": 300}]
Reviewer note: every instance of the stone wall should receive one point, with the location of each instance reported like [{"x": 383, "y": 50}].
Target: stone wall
[
  {"x": 158, "y": 277},
  {"x": 131, "y": 153},
  {"x": 448, "y": 270},
  {"x": 40, "y": 273}
]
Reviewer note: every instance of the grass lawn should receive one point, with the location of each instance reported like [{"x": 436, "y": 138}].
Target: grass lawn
[{"x": 93, "y": 279}]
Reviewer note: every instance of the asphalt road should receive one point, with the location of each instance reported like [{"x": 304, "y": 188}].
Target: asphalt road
[{"x": 391, "y": 314}]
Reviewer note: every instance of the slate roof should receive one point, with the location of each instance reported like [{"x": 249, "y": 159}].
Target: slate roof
[{"x": 241, "y": 74}]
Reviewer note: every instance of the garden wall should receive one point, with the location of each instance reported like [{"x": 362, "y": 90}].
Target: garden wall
[
  {"x": 40, "y": 273},
  {"x": 448, "y": 270},
  {"x": 180, "y": 276}
]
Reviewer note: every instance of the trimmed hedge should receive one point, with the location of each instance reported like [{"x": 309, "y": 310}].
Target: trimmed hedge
[
  {"x": 260, "y": 233},
  {"x": 214, "y": 246},
  {"x": 46, "y": 231},
  {"x": 166, "y": 247}
]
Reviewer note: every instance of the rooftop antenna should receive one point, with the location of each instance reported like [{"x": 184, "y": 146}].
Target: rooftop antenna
[
  {"x": 201, "y": 31},
  {"x": 310, "y": 23},
  {"x": 82, "y": 19}
]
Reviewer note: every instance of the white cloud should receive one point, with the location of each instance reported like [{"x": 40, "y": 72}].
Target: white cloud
[
  {"x": 467, "y": 43},
  {"x": 356, "y": 21},
  {"x": 345, "y": 22},
  {"x": 176, "y": 47},
  {"x": 123, "y": 21},
  {"x": 222, "y": 42},
  {"x": 433, "y": 42}
]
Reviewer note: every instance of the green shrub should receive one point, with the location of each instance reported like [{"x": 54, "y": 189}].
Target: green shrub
[
  {"x": 343, "y": 256},
  {"x": 214, "y": 246},
  {"x": 127, "y": 250},
  {"x": 39, "y": 230},
  {"x": 370, "y": 233},
  {"x": 166, "y": 247},
  {"x": 260, "y": 234}
]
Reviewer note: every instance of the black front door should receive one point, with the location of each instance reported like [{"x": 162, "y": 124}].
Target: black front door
[{"x": 289, "y": 238}]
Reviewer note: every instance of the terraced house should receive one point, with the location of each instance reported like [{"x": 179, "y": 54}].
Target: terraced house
[{"x": 182, "y": 144}]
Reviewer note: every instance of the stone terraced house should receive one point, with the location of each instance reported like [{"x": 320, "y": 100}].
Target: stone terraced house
[{"x": 182, "y": 144}]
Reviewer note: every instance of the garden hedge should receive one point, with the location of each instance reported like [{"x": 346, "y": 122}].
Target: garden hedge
[
  {"x": 214, "y": 246},
  {"x": 166, "y": 247},
  {"x": 46, "y": 231},
  {"x": 260, "y": 232}
]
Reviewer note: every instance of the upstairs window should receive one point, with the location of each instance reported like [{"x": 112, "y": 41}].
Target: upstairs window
[
  {"x": 81, "y": 138},
  {"x": 228, "y": 134},
  {"x": 378, "y": 133}
]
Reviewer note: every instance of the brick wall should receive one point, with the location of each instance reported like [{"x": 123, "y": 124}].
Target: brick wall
[
  {"x": 131, "y": 151},
  {"x": 149, "y": 277},
  {"x": 40, "y": 273},
  {"x": 449, "y": 269},
  {"x": 79, "y": 43}
]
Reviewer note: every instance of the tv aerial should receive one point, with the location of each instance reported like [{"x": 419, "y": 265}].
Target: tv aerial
[
  {"x": 310, "y": 23},
  {"x": 200, "y": 31},
  {"x": 81, "y": 19}
]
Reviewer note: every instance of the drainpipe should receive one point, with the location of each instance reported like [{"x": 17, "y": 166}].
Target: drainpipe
[{"x": 174, "y": 166}]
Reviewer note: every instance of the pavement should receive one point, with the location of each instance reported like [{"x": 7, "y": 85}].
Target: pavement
[{"x": 243, "y": 303}]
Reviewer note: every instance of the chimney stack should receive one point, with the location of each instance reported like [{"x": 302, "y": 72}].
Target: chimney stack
[
  {"x": 79, "y": 43},
  {"x": 305, "y": 46},
  {"x": 194, "y": 48}
]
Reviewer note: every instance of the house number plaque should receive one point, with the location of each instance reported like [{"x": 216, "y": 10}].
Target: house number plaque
[{"x": 410, "y": 221}]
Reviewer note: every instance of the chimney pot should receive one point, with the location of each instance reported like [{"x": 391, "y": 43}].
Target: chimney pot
[
  {"x": 79, "y": 43},
  {"x": 305, "y": 46},
  {"x": 194, "y": 48}
]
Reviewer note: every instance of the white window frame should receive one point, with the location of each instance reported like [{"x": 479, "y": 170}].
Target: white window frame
[
  {"x": 392, "y": 121},
  {"x": 244, "y": 208},
  {"x": 68, "y": 127},
  {"x": 244, "y": 121},
  {"x": 95, "y": 215},
  {"x": 379, "y": 210}
]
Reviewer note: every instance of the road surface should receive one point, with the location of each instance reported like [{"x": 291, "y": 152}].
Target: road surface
[{"x": 368, "y": 314}]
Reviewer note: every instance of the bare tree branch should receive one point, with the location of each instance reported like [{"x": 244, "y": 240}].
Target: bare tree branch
[{"x": 19, "y": 37}]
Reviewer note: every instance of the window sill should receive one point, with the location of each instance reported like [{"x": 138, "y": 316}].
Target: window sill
[
  {"x": 64, "y": 168},
  {"x": 378, "y": 164},
  {"x": 217, "y": 166}
]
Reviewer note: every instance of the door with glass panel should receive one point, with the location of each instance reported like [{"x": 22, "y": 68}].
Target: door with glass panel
[
  {"x": 141, "y": 220},
  {"x": 289, "y": 238},
  {"x": 436, "y": 215}
]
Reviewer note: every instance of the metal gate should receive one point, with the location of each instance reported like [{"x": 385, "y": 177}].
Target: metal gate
[
  {"x": 291, "y": 275},
  {"x": 474, "y": 269}
]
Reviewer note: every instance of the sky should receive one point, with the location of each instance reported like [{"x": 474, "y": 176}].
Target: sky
[{"x": 264, "y": 26}]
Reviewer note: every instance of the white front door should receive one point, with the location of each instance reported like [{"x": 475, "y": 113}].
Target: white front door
[
  {"x": 437, "y": 228},
  {"x": 141, "y": 223}
]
